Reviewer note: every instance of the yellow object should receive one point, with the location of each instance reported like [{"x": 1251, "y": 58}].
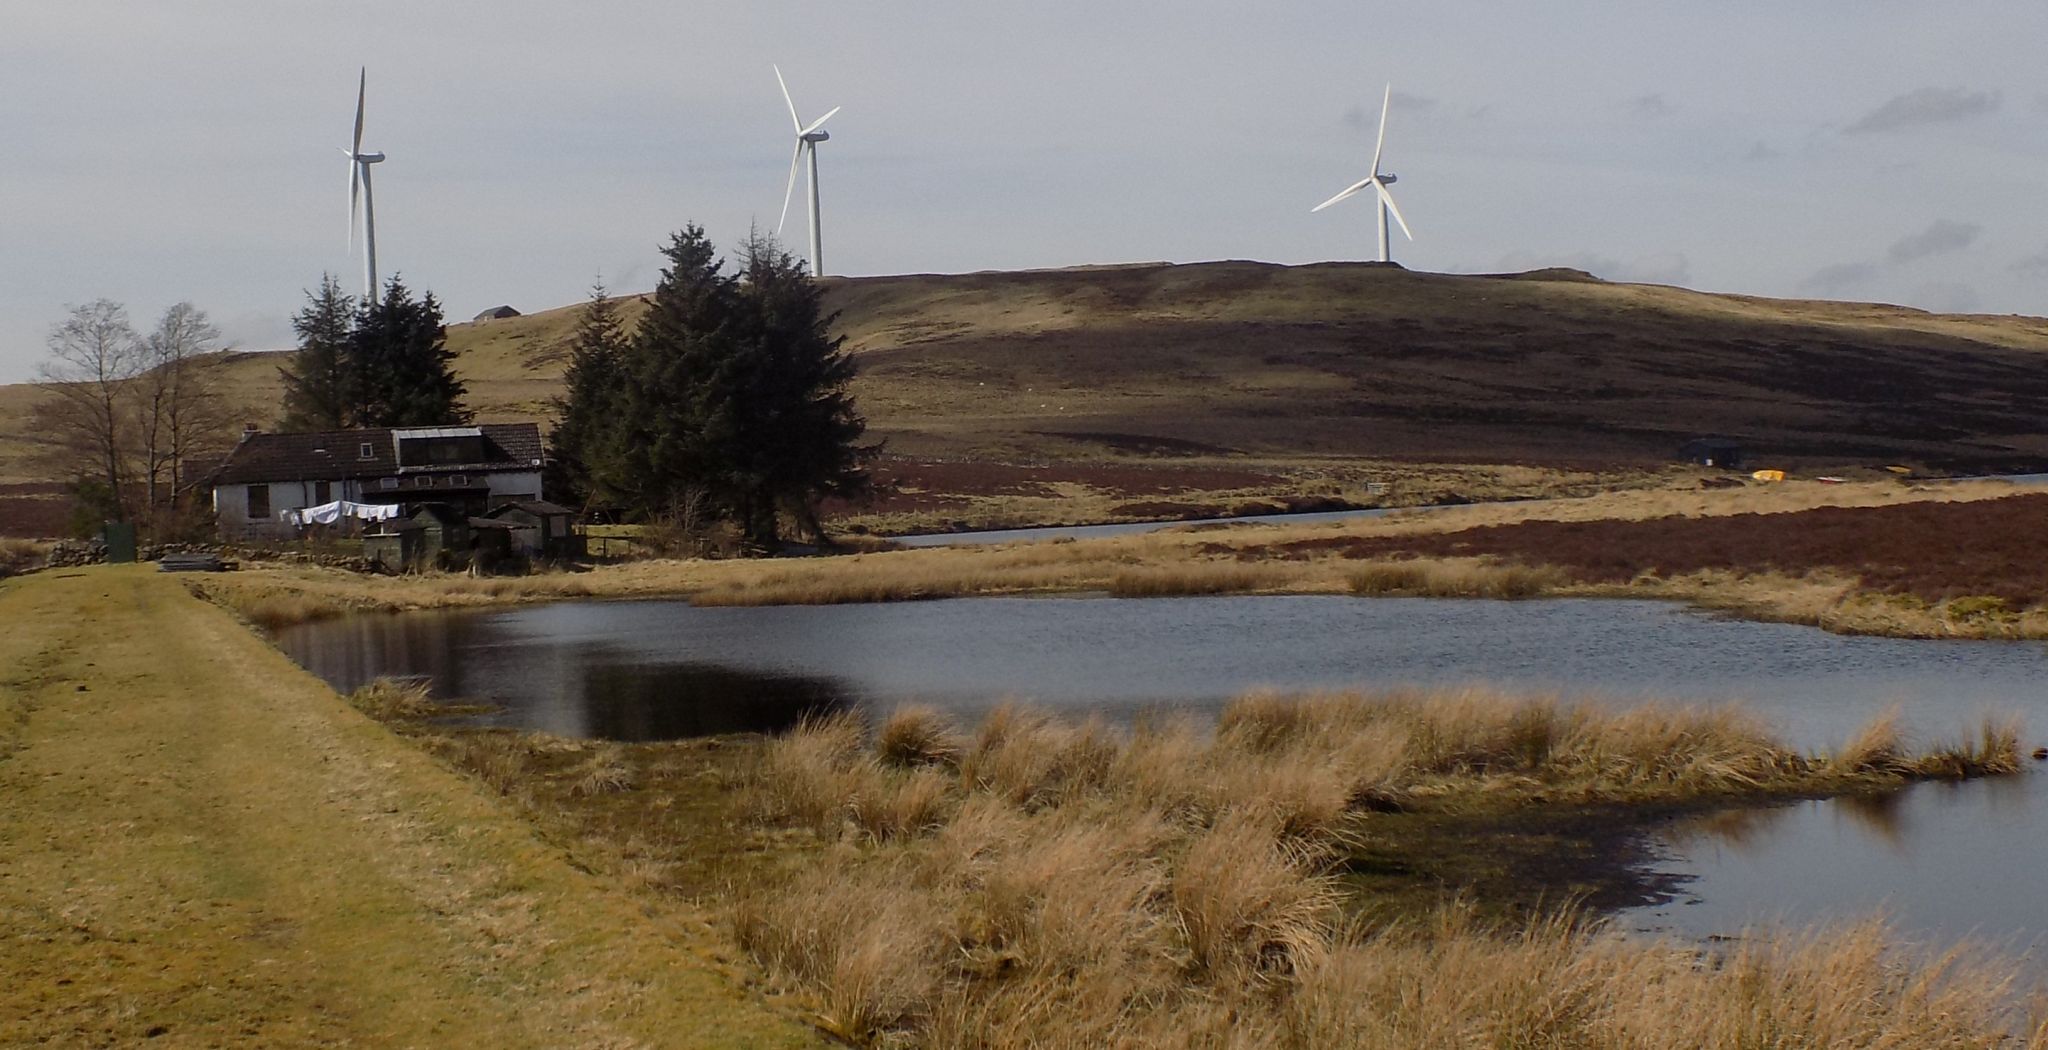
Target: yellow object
[
  {"x": 1901, "y": 471},
  {"x": 1769, "y": 475}
]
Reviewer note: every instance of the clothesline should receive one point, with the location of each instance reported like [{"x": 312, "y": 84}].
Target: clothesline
[{"x": 329, "y": 513}]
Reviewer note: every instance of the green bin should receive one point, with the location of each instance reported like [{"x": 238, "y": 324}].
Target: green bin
[{"x": 120, "y": 541}]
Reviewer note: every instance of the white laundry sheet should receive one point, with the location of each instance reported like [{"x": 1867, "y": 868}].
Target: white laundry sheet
[{"x": 329, "y": 513}]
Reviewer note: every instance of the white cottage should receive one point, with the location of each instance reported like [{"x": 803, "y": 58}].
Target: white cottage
[{"x": 472, "y": 468}]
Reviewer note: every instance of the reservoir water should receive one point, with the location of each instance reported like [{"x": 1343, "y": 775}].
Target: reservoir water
[{"x": 1946, "y": 860}]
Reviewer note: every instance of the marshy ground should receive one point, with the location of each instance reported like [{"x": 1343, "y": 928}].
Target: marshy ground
[
  {"x": 1337, "y": 870},
  {"x": 1942, "y": 560}
]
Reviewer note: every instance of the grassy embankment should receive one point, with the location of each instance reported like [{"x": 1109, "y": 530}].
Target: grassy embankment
[
  {"x": 202, "y": 845},
  {"x": 1272, "y": 883},
  {"x": 1849, "y": 558}
]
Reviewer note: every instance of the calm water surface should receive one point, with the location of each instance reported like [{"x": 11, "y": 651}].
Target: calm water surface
[{"x": 1948, "y": 860}]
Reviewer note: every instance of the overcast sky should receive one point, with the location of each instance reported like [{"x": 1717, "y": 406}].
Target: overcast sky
[{"x": 186, "y": 149}]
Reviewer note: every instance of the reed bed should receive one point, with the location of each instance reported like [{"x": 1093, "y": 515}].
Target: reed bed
[
  {"x": 1455, "y": 578},
  {"x": 1044, "y": 883}
]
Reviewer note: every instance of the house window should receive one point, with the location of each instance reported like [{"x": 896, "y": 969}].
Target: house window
[
  {"x": 323, "y": 492},
  {"x": 387, "y": 483},
  {"x": 259, "y": 502},
  {"x": 426, "y": 481},
  {"x": 459, "y": 480},
  {"x": 366, "y": 451}
]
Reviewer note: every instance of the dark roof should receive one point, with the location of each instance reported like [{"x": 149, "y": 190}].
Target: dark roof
[
  {"x": 496, "y": 313},
  {"x": 335, "y": 455},
  {"x": 440, "y": 512},
  {"x": 538, "y": 507}
]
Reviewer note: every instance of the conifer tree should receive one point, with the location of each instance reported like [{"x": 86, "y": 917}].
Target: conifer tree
[
  {"x": 319, "y": 383},
  {"x": 587, "y": 434},
  {"x": 803, "y": 430},
  {"x": 731, "y": 393},
  {"x": 401, "y": 363}
]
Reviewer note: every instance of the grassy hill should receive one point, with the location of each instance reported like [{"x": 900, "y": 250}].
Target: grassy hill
[{"x": 1266, "y": 367}]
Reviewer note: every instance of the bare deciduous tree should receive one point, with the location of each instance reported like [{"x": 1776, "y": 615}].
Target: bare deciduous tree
[
  {"x": 179, "y": 412},
  {"x": 95, "y": 357}
]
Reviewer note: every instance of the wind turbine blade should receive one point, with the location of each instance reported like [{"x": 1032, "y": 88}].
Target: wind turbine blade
[
  {"x": 1387, "y": 199},
  {"x": 1377, "y": 147},
  {"x": 362, "y": 88},
  {"x": 794, "y": 121},
  {"x": 795, "y": 159},
  {"x": 1348, "y": 191},
  {"x": 820, "y": 122}
]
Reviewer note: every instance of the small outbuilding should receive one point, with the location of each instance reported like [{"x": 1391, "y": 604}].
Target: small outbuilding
[
  {"x": 496, "y": 313},
  {"x": 1723, "y": 453},
  {"x": 539, "y": 529},
  {"x": 434, "y": 536}
]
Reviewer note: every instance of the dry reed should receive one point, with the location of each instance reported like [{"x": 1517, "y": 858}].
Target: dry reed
[
  {"x": 392, "y": 700},
  {"x": 1047, "y": 884}
]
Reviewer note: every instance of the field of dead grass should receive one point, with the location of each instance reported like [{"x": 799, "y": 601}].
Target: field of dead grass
[{"x": 1043, "y": 883}]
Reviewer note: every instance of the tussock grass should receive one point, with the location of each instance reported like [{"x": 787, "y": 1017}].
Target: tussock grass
[
  {"x": 394, "y": 699},
  {"x": 917, "y": 735},
  {"x": 1201, "y": 578},
  {"x": 1454, "y": 578},
  {"x": 1051, "y": 884},
  {"x": 18, "y": 556},
  {"x": 605, "y": 772},
  {"x": 1993, "y": 751}
]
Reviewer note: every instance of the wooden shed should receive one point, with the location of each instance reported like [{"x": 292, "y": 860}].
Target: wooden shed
[
  {"x": 436, "y": 536},
  {"x": 539, "y": 529}
]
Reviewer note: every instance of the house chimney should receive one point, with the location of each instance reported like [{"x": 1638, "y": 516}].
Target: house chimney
[{"x": 249, "y": 430}]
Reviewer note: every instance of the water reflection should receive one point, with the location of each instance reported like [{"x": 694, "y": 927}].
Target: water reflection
[
  {"x": 1947, "y": 860},
  {"x": 580, "y": 688}
]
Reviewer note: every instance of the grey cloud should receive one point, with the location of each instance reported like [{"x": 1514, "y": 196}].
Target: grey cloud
[
  {"x": 1946, "y": 235},
  {"x": 1928, "y": 105},
  {"x": 1647, "y": 107},
  {"x": 2037, "y": 263},
  {"x": 1838, "y": 278},
  {"x": 1759, "y": 151}
]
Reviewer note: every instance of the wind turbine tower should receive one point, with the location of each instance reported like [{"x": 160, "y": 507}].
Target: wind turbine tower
[
  {"x": 359, "y": 191},
  {"x": 807, "y": 138},
  {"x": 1379, "y": 181}
]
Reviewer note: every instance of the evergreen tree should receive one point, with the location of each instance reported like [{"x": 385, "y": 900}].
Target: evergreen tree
[
  {"x": 802, "y": 430},
  {"x": 319, "y": 383},
  {"x": 588, "y": 412},
  {"x": 401, "y": 363},
  {"x": 665, "y": 460},
  {"x": 731, "y": 396}
]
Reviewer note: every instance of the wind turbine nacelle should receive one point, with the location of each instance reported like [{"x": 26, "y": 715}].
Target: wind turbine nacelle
[
  {"x": 378, "y": 158},
  {"x": 1389, "y": 178},
  {"x": 818, "y": 136}
]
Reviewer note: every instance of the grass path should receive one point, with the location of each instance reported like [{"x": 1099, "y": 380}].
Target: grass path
[{"x": 202, "y": 843}]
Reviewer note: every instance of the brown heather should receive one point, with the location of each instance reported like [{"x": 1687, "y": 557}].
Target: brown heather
[{"x": 1042, "y": 883}]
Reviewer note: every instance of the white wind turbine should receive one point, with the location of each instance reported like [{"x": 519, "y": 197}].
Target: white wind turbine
[
  {"x": 807, "y": 138},
  {"x": 359, "y": 188},
  {"x": 1379, "y": 181}
]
